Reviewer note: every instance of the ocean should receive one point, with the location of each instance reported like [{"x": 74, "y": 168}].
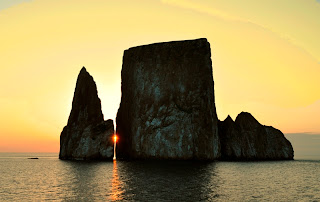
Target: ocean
[{"x": 49, "y": 178}]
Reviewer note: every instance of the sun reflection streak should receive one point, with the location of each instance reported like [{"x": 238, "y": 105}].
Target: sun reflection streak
[
  {"x": 116, "y": 191},
  {"x": 114, "y": 146}
]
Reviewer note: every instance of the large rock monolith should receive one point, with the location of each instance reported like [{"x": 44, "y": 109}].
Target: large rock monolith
[
  {"x": 87, "y": 135},
  {"x": 246, "y": 139},
  {"x": 167, "y": 108}
]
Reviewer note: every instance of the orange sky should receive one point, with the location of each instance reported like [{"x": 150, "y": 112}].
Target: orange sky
[{"x": 265, "y": 57}]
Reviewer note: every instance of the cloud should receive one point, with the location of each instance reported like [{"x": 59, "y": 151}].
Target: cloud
[
  {"x": 9, "y": 3},
  {"x": 202, "y": 8}
]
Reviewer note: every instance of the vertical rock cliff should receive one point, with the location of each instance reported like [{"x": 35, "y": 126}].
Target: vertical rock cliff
[
  {"x": 167, "y": 108},
  {"x": 246, "y": 139},
  {"x": 87, "y": 135}
]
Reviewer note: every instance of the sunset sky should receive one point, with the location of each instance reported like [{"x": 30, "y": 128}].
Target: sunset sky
[{"x": 265, "y": 58}]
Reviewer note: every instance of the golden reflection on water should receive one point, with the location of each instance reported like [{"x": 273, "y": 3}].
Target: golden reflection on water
[{"x": 116, "y": 192}]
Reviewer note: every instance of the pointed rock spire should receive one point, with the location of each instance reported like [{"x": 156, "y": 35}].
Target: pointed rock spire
[
  {"x": 87, "y": 135},
  {"x": 86, "y": 105}
]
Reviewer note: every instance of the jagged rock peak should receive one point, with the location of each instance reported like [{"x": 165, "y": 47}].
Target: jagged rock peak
[
  {"x": 86, "y": 105},
  {"x": 228, "y": 119},
  {"x": 245, "y": 120},
  {"x": 83, "y": 69},
  {"x": 247, "y": 116}
]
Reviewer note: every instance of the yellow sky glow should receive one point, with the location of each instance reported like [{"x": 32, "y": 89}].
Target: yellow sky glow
[{"x": 265, "y": 57}]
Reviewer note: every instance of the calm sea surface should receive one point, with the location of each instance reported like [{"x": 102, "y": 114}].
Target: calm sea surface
[{"x": 48, "y": 177}]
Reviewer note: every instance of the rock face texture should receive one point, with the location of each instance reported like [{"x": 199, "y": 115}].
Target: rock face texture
[
  {"x": 246, "y": 139},
  {"x": 167, "y": 108},
  {"x": 87, "y": 135}
]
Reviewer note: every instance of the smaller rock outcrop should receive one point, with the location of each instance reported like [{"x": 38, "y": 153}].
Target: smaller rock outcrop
[
  {"x": 246, "y": 139},
  {"x": 87, "y": 135}
]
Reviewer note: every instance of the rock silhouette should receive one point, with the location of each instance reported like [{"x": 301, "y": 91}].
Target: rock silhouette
[
  {"x": 167, "y": 108},
  {"x": 87, "y": 135},
  {"x": 246, "y": 139},
  {"x": 167, "y": 111}
]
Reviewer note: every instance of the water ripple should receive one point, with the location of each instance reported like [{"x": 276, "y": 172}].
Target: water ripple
[{"x": 52, "y": 179}]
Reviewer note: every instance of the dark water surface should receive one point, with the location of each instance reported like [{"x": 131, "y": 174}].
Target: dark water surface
[{"x": 48, "y": 177}]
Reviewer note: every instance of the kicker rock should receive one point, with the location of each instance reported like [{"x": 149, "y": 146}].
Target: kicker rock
[
  {"x": 87, "y": 135},
  {"x": 167, "y": 108},
  {"x": 247, "y": 139}
]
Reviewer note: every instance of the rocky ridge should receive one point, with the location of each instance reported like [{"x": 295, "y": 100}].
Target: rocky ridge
[{"x": 246, "y": 139}]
